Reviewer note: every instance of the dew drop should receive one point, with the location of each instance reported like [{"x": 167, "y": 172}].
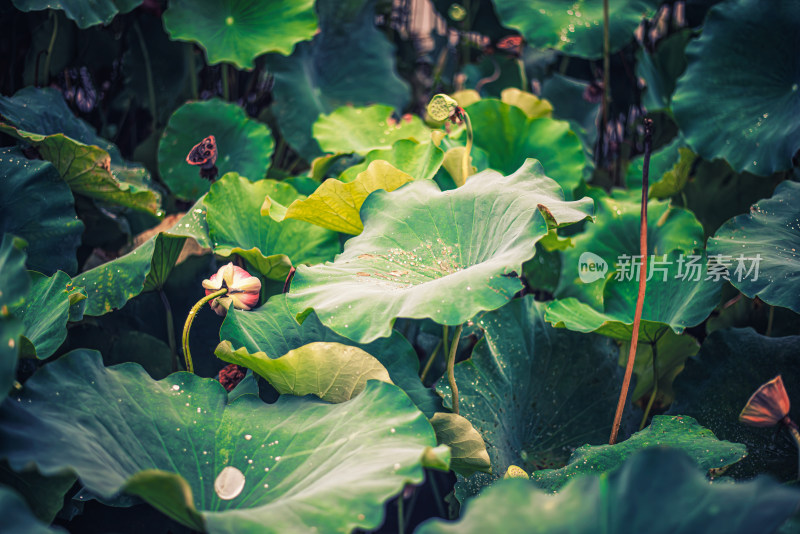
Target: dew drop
[
  {"x": 229, "y": 483},
  {"x": 248, "y": 437},
  {"x": 176, "y": 387}
]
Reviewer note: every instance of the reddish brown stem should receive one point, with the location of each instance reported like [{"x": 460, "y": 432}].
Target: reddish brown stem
[
  {"x": 626, "y": 382},
  {"x": 288, "y": 283}
]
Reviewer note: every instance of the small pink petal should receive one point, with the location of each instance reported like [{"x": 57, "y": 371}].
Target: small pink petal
[{"x": 767, "y": 406}]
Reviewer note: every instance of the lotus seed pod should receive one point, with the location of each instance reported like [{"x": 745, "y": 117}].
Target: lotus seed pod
[
  {"x": 516, "y": 472},
  {"x": 457, "y": 12},
  {"x": 441, "y": 107}
]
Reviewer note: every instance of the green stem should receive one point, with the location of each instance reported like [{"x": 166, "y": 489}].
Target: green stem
[
  {"x": 151, "y": 88},
  {"x": 50, "y": 48},
  {"x": 190, "y": 66},
  {"x": 770, "y": 318},
  {"x": 437, "y": 496},
  {"x": 465, "y": 162},
  {"x": 432, "y": 357},
  {"x": 522, "y": 75},
  {"x": 400, "y": 522},
  {"x": 451, "y": 364},
  {"x": 226, "y": 91},
  {"x": 187, "y": 356},
  {"x": 170, "y": 329},
  {"x": 655, "y": 386},
  {"x": 796, "y": 436}
]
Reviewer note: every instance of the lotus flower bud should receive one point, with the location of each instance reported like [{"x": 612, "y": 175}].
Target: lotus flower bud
[{"x": 243, "y": 289}]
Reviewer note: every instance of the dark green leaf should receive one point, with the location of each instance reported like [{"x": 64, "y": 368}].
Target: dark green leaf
[
  {"x": 534, "y": 392},
  {"x": 658, "y": 491},
  {"x": 84, "y": 13},
  {"x": 321, "y": 76},
  {"x": 46, "y": 311},
  {"x": 715, "y": 386},
  {"x": 679, "y": 432},
  {"x": 746, "y": 61},
  {"x": 16, "y": 517},
  {"x": 576, "y": 28},
  {"x": 38, "y": 206},
  {"x": 768, "y": 236}
]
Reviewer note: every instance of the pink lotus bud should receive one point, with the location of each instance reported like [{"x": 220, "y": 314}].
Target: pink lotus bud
[
  {"x": 243, "y": 289},
  {"x": 767, "y": 406}
]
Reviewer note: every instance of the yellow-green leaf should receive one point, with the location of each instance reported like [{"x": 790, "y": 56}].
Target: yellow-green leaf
[
  {"x": 533, "y": 106},
  {"x": 467, "y": 449},
  {"x": 452, "y": 163},
  {"x": 88, "y": 170},
  {"x": 331, "y": 371},
  {"x": 335, "y": 205}
]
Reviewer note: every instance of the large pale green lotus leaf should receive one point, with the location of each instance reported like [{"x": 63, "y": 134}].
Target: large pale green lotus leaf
[
  {"x": 349, "y": 62},
  {"x": 715, "y": 386},
  {"x": 243, "y": 145},
  {"x": 616, "y": 233},
  {"x": 110, "y": 285},
  {"x": 418, "y": 159},
  {"x": 46, "y": 311},
  {"x": 659, "y": 491},
  {"x": 361, "y": 130},
  {"x": 273, "y": 330},
  {"x": 236, "y": 226},
  {"x": 671, "y": 301},
  {"x": 431, "y": 254},
  {"x": 17, "y": 518},
  {"x": 661, "y": 69},
  {"x": 238, "y": 31},
  {"x": 771, "y": 232},
  {"x": 335, "y": 205},
  {"x": 468, "y": 451},
  {"x": 534, "y": 392},
  {"x": 38, "y": 206},
  {"x": 331, "y": 371},
  {"x": 675, "y": 431},
  {"x": 509, "y": 137},
  {"x": 574, "y": 27},
  {"x": 84, "y": 13},
  {"x": 88, "y": 170},
  {"x": 243, "y": 466},
  {"x": 746, "y": 59}
]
